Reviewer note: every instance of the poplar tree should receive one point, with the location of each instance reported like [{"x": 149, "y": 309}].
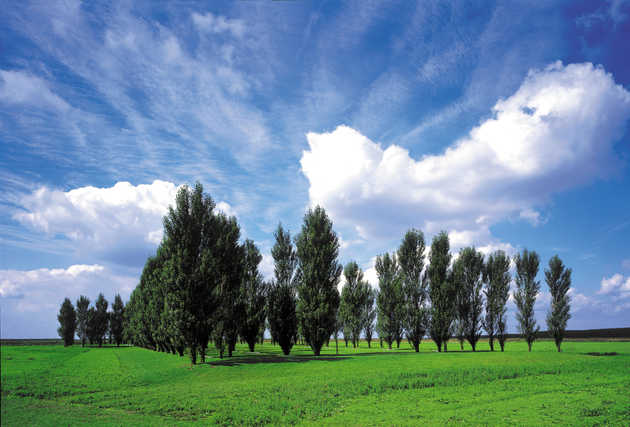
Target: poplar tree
[
  {"x": 67, "y": 322},
  {"x": 369, "y": 315},
  {"x": 83, "y": 304},
  {"x": 116, "y": 320},
  {"x": 253, "y": 295},
  {"x": 282, "y": 295},
  {"x": 414, "y": 285},
  {"x": 189, "y": 234},
  {"x": 390, "y": 300},
  {"x": 354, "y": 297},
  {"x": 497, "y": 278},
  {"x": 558, "y": 278},
  {"x": 441, "y": 291},
  {"x": 318, "y": 270},
  {"x": 468, "y": 273},
  {"x": 227, "y": 265},
  {"x": 527, "y": 288},
  {"x": 100, "y": 319}
]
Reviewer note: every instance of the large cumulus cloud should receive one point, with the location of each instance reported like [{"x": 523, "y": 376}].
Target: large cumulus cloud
[{"x": 555, "y": 132}]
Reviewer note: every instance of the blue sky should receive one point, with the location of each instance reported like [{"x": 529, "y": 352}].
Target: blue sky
[{"x": 506, "y": 124}]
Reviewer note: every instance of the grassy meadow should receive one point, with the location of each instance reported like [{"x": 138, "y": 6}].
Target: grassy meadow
[{"x": 53, "y": 385}]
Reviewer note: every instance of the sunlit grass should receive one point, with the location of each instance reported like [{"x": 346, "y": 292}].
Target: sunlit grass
[{"x": 57, "y": 385}]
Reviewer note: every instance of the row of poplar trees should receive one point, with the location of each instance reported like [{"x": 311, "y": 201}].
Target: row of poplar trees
[
  {"x": 461, "y": 298},
  {"x": 91, "y": 324},
  {"x": 204, "y": 285}
]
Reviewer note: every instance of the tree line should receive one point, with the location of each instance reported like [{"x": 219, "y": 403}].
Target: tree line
[
  {"x": 204, "y": 285},
  {"x": 93, "y": 324}
]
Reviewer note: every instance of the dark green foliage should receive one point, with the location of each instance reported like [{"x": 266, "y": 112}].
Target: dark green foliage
[
  {"x": 442, "y": 291},
  {"x": 83, "y": 304},
  {"x": 227, "y": 267},
  {"x": 253, "y": 296},
  {"x": 527, "y": 288},
  {"x": 468, "y": 274},
  {"x": 92, "y": 328},
  {"x": 414, "y": 283},
  {"x": 116, "y": 320},
  {"x": 188, "y": 235},
  {"x": 67, "y": 322},
  {"x": 318, "y": 271},
  {"x": 354, "y": 299},
  {"x": 100, "y": 319},
  {"x": 282, "y": 299},
  {"x": 369, "y": 315},
  {"x": 558, "y": 278},
  {"x": 390, "y": 300},
  {"x": 497, "y": 277}
]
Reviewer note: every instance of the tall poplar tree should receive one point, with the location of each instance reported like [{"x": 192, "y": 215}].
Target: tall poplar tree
[
  {"x": 282, "y": 295},
  {"x": 83, "y": 304},
  {"x": 414, "y": 284},
  {"x": 390, "y": 301},
  {"x": 497, "y": 278},
  {"x": 441, "y": 291},
  {"x": 468, "y": 273},
  {"x": 558, "y": 278},
  {"x": 189, "y": 234},
  {"x": 318, "y": 270},
  {"x": 67, "y": 322},
  {"x": 527, "y": 288}
]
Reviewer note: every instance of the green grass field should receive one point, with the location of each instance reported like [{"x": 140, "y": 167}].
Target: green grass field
[{"x": 53, "y": 385}]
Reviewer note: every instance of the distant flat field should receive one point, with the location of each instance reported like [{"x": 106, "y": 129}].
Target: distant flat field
[{"x": 53, "y": 385}]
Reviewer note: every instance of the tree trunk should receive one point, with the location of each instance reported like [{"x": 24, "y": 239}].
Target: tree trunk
[
  {"x": 251, "y": 344},
  {"x": 491, "y": 343},
  {"x": 416, "y": 346},
  {"x": 445, "y": 347},
  {"x": 529, "y": 345}
]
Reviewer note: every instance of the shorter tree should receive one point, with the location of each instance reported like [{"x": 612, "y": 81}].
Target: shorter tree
[
  {"x": 442, "y": 291},
  {"x": 390, "y": 300},
  {"x": 497, "y": 278},
  {"x": 468, "y": 270},
  {"x": 101, "y": 319},
  {"x": 83, "y": 304},
  {"x": 253, "y": 296},
  {"x": 281, "y": 305},
  {"x": 67, "y": 322},
  {"x": 558, "y": 278},
  {"x": 527, "y": 288},
  {"x": 354, "y": 296},
  {"x": 369, "y": 315},
  {"x": 116, "y": 320}
]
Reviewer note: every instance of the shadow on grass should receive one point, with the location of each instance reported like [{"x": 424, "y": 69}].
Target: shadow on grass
[
  {"x": 250, "y": 360},
  {"x": 596, "y": 353}
]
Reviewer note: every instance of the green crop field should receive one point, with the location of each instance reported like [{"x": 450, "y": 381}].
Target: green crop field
[{"x": 53, "y": 385}]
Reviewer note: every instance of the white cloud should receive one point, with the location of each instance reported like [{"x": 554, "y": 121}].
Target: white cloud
[
  {"x": 561, "y": 120},
  {"x": 226, "y": 208},
  {"x": 616, "y": 285},
  {"x": 122, "y": 223},
  {"x": 532, "y": 216},
  {"x": 30, "y": 300},
  {"x": 217, "y": 24},
  {"x": 19, "y": 87},
  {"x": 111, "y": 222}
]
